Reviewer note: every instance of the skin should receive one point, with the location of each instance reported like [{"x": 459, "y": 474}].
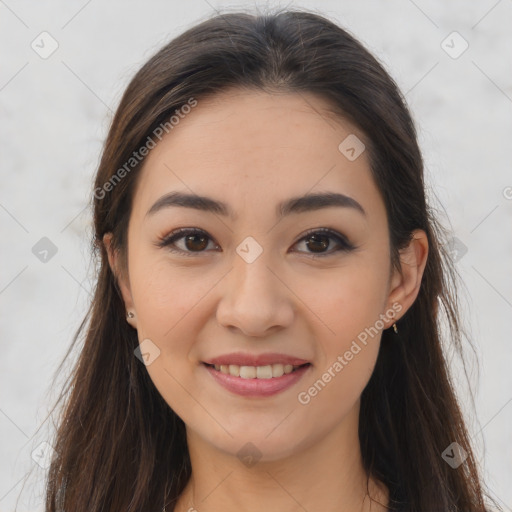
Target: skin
[{"x": 251, "y": 150}]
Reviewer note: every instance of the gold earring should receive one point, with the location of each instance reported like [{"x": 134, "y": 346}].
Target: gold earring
[
  {"x": 395, "y": 328},
  {"x": 130, "y": 315}
]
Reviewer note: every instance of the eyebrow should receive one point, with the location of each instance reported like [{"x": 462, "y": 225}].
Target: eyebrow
[{"x": 301, "y": 204}]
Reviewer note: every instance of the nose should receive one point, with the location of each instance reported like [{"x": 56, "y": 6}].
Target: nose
[{"x": 255, "y": 298}]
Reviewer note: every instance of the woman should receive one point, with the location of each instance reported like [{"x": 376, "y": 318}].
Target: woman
[{"x": 265, "y": 331}]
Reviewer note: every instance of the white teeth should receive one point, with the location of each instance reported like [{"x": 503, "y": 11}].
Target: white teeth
[
  {"x": 234, "y": 370},
  {"x": 256, "y": 372},
  {"x": 247, "y": 372},
  {"x": 277, "y": 370},
  {"x": 264, "y": 372}
]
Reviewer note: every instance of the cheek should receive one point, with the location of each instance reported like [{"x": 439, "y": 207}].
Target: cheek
[
  {"x": 334, "y": 390},
  {"x": 171, "y": 305},
  {"x": 347, "y": 300},
  {"x": 350, "y": 306},
  {"x": 166, "y": 295}
]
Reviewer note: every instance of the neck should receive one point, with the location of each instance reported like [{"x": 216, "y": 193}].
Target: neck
[{"x": 327, "y": 475}]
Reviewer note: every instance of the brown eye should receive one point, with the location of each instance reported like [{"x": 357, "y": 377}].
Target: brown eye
[
  {"x": 319, "y": 240},
  {"x": 193, "y": 242},
  {"x": 196, "y": 242},
  {"x": 317, "y": 243},
  {"x": 186, "y": 241}
]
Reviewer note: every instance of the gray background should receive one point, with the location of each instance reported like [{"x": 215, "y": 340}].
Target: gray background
[{"x": 55, "y": 114}]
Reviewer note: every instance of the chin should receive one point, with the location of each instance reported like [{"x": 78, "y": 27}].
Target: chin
[{"x": 256, "y": 442}]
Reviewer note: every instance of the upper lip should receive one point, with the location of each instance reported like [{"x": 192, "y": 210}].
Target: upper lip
[{"x": 241, "y": 359}]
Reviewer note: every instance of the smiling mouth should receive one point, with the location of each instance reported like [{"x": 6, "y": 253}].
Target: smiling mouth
[{"x": 271, "y": 371}]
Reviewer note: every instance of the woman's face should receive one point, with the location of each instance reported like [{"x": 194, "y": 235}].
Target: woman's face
[{"x": 255, "y": 278}]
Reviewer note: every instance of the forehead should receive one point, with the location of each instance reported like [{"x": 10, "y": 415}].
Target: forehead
[{"x": 252, "y": 147}]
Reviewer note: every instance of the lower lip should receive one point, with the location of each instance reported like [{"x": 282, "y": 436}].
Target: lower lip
[{"x": 257, "y": 387}]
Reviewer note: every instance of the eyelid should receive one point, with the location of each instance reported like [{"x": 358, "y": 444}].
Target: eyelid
[
  {"x": 344, "y": 244},
  {"x": 343, "y": 241},
  {"x": 180, "y": 233}
]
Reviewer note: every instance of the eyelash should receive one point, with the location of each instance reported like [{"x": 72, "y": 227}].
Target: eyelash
[{"x": 344, "y": 244}]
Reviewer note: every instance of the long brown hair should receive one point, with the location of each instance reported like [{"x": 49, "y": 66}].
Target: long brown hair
[{"x": 119, "y": 446}]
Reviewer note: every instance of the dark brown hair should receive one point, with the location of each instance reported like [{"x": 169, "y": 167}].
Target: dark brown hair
[{"x": 119, "y": 446}]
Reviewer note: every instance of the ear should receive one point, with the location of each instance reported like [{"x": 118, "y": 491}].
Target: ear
[
  {"x": 405, "y": 285},
  {"x": 122, "y": 280}
]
